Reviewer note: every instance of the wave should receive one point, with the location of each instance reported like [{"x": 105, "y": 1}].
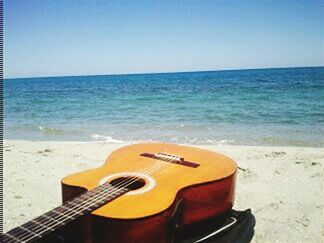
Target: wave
[
  {"x": 105, "y": 138},
  {"x": 50, "y": 130}
]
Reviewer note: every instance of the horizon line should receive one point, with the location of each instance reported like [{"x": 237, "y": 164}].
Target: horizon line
[{"x": 172, "y": 72}]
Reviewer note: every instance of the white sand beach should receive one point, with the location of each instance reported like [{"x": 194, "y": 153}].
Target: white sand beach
[{"x": 282, "y": 185}]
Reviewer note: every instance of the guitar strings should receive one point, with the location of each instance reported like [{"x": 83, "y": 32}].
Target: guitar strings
[
  {"x": 161, "y": 180},
  {"x": 68, "y": 216},
  {"x": 116, "y": 190},
  {"x": 100, "y": 196},
  {"x": 87, "y": 202}
]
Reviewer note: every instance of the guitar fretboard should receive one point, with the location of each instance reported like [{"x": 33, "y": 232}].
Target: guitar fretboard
[{"x": 64, "y": 214}]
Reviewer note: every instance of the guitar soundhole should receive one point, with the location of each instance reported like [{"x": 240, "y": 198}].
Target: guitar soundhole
[{"x": 132, "y": 183}]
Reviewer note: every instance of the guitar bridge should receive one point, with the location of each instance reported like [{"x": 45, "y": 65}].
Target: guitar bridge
[{"x": 170, "y": 158}]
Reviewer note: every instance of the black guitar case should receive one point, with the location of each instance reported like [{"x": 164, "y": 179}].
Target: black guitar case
[
  {"x": 231, "y": 227},
  {"x": 234, "y": 226}
]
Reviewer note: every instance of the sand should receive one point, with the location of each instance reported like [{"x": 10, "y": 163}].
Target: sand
[{"x": 282, "y": 185}]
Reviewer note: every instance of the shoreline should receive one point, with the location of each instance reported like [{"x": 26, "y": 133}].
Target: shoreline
[
  {"x": 282, "y": 185},
  {"x": 122, "y": 142}
]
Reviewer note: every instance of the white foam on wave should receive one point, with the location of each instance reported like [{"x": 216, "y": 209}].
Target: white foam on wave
[
  {"x": 50, "y": 129},
  {"x": 225, "y": 142},
  {"x": 105, "y": 138}
]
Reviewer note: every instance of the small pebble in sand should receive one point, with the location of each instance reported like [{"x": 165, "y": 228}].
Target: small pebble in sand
[
  {"x": 240, "y": 168},
  {"x": 44, "y": 151},
  {"x": 276, "y": 154}
]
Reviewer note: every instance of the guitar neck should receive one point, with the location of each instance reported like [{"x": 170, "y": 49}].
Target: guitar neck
[{"x": 64, "y": 214}]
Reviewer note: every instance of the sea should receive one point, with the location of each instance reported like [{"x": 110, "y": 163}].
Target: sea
[{"x": 268, "y": 107}]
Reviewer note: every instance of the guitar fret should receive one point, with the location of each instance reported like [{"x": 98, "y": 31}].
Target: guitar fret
[
  {"x": 66, "y": 208},
  {"x": 66, "y": 213},
  {"x": 29, "y": 231},
  {"x": 77, "y": 199},
  {"x": 45, "y": 216},
  {"x": 71, "y": 202},
  {"x": 89, "y": 195},
  {"x": 71, "y": 211},
  {"x": 54, "y": 211},
  {"x": 62, "y": 213},
  {"x": 43, "y": 225},
  {"x": 13, "y": 237}
]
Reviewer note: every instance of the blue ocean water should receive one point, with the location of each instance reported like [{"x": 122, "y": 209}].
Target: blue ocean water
[{"x": 249, "y": 107}]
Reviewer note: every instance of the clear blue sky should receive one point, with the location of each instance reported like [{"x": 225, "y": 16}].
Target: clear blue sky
[{"x": 55, "y": 38}]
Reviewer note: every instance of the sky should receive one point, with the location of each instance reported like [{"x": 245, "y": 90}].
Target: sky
[{"x": 64, "y": 37}]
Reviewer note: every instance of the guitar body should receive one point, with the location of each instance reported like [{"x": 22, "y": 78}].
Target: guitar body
[{"x": 171, "y": 195}]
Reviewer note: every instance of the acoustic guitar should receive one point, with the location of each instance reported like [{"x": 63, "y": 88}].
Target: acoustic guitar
[{"x": 143, "y": 193}]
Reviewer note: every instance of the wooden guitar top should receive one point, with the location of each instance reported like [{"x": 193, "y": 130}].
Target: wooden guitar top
[{"x": 163, "y": 178}]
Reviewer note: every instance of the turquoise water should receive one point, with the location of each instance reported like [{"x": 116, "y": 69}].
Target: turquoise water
[{"x": 250, "y": 107}]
